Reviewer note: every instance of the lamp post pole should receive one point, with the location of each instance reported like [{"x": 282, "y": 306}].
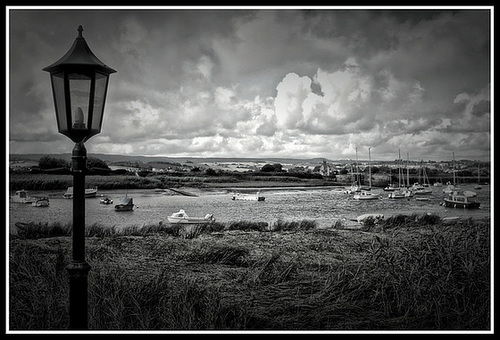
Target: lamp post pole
[
  {"x": 79, "y": 86},
  {"x": 78, "y": 269}
]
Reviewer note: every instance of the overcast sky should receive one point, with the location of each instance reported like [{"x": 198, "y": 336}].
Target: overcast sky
[{"x": 260, "y": 82}]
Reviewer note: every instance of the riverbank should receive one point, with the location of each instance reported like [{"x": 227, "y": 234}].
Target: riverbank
[
  {"x": 62, "y": 182},
  {"x": 406, "y": 273}
]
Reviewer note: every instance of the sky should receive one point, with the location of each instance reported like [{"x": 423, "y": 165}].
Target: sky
[{"x": 300, "y": 82}]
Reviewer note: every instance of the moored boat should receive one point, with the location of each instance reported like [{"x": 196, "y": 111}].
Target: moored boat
[
  {"x": 22, "y": 196},
  {"x": 41, "y": 202},
  {"x": 106, "y": 200},
  {"x": 89, "y": 193},
  {"x": 125, "y": 204},
  {"x": 365, "y": 195},
  {"x": 421, "y": 189},
  {"x": 182, "y": 217},
  {"x": 396, "y": 195},
  {"x": 248, "y": 197},
  {"x": 354, "y": 188},
  {"x": 457, "y": 200},
  {"x": 470, "y": 193}
]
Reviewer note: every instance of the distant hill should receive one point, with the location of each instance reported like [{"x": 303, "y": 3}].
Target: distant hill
[{"x": 147, "y": 159}]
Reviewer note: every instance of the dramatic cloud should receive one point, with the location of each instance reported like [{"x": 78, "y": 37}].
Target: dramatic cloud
[{"x": 264, "y": 82}]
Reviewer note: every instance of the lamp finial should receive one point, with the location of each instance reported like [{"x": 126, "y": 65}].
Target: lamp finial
[{"x": 80, "y": 30}]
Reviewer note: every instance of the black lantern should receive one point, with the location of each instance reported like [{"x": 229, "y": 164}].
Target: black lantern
[{"x": 79, "y": 85}]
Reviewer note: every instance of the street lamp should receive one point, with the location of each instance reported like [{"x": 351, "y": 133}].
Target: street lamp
[{"x": 79, "y": 86}]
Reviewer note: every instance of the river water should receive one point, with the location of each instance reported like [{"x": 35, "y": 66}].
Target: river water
[{"x": 324, "y": 205}]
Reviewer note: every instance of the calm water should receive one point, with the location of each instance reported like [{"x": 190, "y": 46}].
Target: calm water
[{"x": 324, "y": 205}]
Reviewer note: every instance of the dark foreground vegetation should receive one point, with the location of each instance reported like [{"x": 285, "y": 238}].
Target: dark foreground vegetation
[{"x": 405, "y": 273}]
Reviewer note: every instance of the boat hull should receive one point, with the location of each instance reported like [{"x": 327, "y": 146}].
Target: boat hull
[
  {"x": 89, "y": 193},
  {"x": 248, "y": 198},
  {"x": 191, "y": 220},
  {"x": 22, "y": 196},
  {"x": 121, "y": 207},
  {"x": 463, "y": 205},
  {"x": 396, "y": 195},
  {"x": 366, "y": 197},
  {"x": 41, "y": 203}
]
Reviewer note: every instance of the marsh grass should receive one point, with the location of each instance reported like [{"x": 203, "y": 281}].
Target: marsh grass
[{"x": 412, "y": 273}]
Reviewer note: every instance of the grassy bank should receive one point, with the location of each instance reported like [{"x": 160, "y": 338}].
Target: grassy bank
[
  {"x": 62, "y": 182},
  {"x": 406, "y": 273}
]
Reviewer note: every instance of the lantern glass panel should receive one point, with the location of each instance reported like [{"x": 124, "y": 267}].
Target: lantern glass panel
[
  {"x": 79, "y": 89},
  {"x": 58, "y": 88},
  {"x": 101, "y": 82}
]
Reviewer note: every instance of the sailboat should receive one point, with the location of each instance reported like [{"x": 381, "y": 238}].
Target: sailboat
[
  {"x": 457, "y": 200},
  {"x": 450, "y": 188},
  {"x": 408, "y": 192},
  {"x": 125, "y": 204},
  {"x": 389, "y": 187},
  {"x": 366, "y": 194},
  {"x": 425, "y": 187},
  {"x": 355, "y": 186},
  {"x": 398, "y": 194}
]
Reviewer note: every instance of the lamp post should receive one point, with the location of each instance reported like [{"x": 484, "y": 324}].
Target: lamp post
[{"x": 79, "y": 86}]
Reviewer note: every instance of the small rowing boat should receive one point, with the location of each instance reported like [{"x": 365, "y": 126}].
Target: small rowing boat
[{"x": 182, "y": 217}]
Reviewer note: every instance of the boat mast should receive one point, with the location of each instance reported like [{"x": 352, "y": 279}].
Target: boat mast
[
  {"x": 408, "y": 169},
  {"x": 454, "y": 168},
  {"x": 369, "y": 168},
  {"x": 399, "y": 168},
  {"x": 357, "y": 169}
]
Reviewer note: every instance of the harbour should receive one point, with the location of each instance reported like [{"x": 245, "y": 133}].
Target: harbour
[{"x": 325, "y": 205}]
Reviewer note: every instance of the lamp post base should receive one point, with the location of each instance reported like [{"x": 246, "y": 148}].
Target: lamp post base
[{"x": 78, "y": 273}]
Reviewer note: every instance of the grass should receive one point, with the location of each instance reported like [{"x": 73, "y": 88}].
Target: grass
[
  {"x": 405, "y": 273},
  {"x": 18, "y": 181}
]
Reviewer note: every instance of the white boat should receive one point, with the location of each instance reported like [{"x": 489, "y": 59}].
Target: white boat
[
  {"x": 356, "y": 185},
  {"x": 354, "y": 188},
  {"x": 409, "y": 192},
  {"x": 106, "y": 200},
  {"x": 182, "y": 217},
  {"x": 22, "y": 196},
  {"x": 421, "y": 189},
  {"x": 389, "y": 188},
  {"x": 41, "y": 202},
  {"x": 457, "y": 200},
  {"x": 396, "y": 195},
  {"x": 425, "y": 187},
  {"x": 89, "y": 193},
  {"x": 470, "y": 193},
  {"x": 438, "y": 184},
  {"x": 366, "y": 195},
  {"x": 125, "y": 204},
  {"x": 248, "y": 197},
  {"x": 451, "y": 188}
]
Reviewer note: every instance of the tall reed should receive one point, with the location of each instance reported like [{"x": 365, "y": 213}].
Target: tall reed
[{"x": 415, "y": 274}]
